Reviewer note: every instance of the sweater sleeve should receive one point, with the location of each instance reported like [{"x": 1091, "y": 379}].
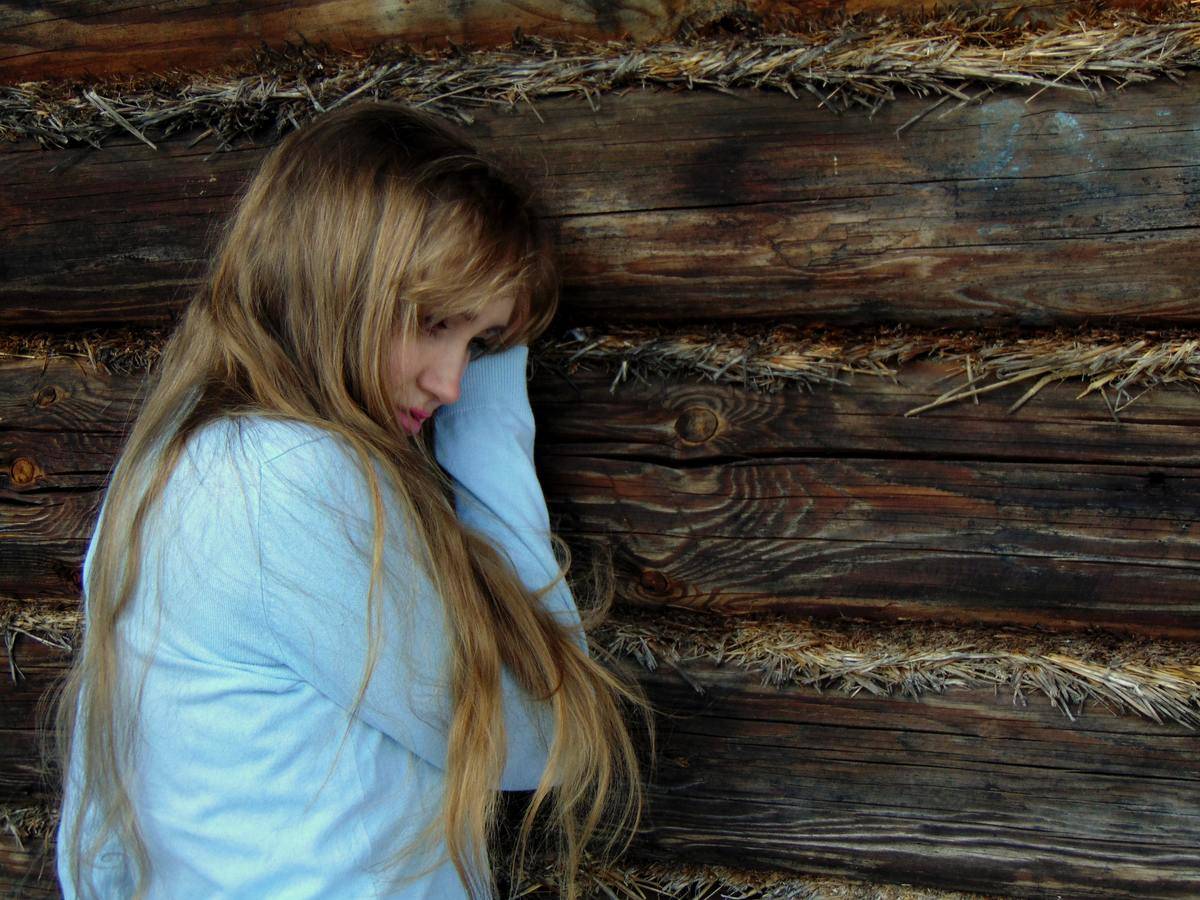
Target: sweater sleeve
[
  {"x": 315, "y": 538},
  {"x": 485, "y": 442}
]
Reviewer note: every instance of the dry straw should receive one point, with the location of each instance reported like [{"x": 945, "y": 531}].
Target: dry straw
[
  {"x": 113, "y": 351},
  {"x": 54, "y": 626},
  {"x": 19, "y": 824},
  {"x": 862, "y": 61},
  {"x": 1159, "y": 680},
  {"x": 1113, "y": 366},
  {"x": 1117, "y": 367},
  {"x": 682, "y": 881}
]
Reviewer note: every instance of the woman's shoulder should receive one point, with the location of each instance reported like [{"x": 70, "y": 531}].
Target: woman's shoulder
[
  {"x": 261, "y": 440},
  {"x": 269, "y": 453}
]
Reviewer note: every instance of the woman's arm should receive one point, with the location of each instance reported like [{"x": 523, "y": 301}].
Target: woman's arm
[
  {"x": 485, "y": 442},
  {"x": 315, "y": 534}
]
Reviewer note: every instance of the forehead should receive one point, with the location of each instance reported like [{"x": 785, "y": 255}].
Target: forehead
[{"x": 495, "y": 312}]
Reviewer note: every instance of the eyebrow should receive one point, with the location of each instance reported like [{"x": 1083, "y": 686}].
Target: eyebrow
[{"x": 490, "y": 332}]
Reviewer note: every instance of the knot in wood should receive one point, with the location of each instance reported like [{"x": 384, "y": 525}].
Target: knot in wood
[
  {"x": 655, "y": 582},
  {"x": 24, "y": 471},
  {"x": 47, "y": 396},
  {"x": 696, "y": 424}
]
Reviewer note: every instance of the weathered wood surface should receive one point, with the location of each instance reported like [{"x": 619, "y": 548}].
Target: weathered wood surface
[
  {"x": 28, "y": 771},
  {"x": 61, "y": 427},
  {"x": 27, "y": 871},
  {"x": 695, "y": 421},
  {"x": 701, "y": 205},
  {"x": 24, "y": 704},
  {"x": 822, "y": 503},
  {"x": 75, "y": 38},
  {"x": 887, "y": 539},
  {"x": 964, "y": 790},
  {"x": 93, "y": 38},
  {"x": 961, "y": 790},
  {"x": 27, "y": 865}
]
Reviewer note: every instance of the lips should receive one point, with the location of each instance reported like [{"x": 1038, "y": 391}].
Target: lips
[{"x": 411, "y": 420}]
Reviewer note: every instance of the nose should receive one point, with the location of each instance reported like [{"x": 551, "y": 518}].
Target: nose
[{"x": 443, "y": 378}]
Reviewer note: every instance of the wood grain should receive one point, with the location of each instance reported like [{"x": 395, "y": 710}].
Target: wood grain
[
  {"x": 696, "y": 420},
  {"x": 25, "y": 703},
  {"x": 751, "y": 206},
  {"x": 75, "y": 37},
  {"x": 962, "y": 789},
  {"x": 27, "y": 871},
  {"x": 826, "y": 503},
  {"x": 71, "y": 38},
  {"x": 884, "y": 538}
]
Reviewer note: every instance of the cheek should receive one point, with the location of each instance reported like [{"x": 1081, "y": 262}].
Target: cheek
[
  {"x": 405, "y": 362},
  {"x": 399, "y": 369}
]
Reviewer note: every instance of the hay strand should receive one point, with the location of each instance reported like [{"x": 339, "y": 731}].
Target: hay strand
[
  {"x": 1118, "y": 367},
  {"x": 113, "y": 351},
  {"x": 860, "y": 62},
  {"x": 25, "y": 823},
  {"x": 686, "y": 881},
  {"x": 56, "y": 626},
  {"x": 768, "y": 358},
  {"x": 1158, "y": 680}
]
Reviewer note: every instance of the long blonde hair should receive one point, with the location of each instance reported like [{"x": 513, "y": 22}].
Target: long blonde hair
[{"x": 353, "y": 228}]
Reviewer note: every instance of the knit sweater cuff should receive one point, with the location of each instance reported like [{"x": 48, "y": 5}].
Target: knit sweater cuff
[{"x": 495, "y": 381}]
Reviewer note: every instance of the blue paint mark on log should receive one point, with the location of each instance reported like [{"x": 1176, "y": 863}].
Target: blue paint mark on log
[
  {"x": 998, "y": 141},
  {"x": 1076, "y": 137},
  {"x": 996, "y": 231}
]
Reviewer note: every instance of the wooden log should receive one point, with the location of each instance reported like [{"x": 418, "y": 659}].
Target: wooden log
[
  {"x": 94, "y": 39},
  {"x": 61, "y": 427},
  {"x": 91, "y": 38},
  {"x": 65, "y": 396},
  {"x": 963, "y": 790},
  {"x": 27, "y": 871},
  {"x": 696, "y": 420},
  {"x": 25, "y": 703},
  {"x": 822, "y": 503},
  {"x": 699, "y": 421},
  {"x": 945, "y": 541},
  {"x": 1017, "y": 211}
]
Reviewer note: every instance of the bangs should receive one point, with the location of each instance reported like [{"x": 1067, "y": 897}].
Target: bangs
[
  {"x": 477, "y": 238},
  {"x": 463, "y": 275}
]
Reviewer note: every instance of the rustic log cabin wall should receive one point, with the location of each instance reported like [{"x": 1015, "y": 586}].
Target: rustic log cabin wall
[
  {"x": 87, "y": 38},
  {"x": 896, "y": 632}
]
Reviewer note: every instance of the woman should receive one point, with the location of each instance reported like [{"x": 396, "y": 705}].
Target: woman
[{"x": 315, "y": 646}]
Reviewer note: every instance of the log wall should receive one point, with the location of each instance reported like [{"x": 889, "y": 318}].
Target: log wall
[
  {"x": 792, "y": 504},
  {"x": 91, "y": 38},
  {"x": 828, "y": 503},
  {"x": 678, "y": 207},
  {"x": 965, "y": 787},
  {"x": 751, "y": 205}
]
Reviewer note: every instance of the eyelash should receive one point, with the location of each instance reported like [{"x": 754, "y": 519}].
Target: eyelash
[{"x": 478, "y": 347}]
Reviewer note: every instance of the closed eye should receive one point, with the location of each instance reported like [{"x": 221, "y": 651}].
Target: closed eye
[
  {"x": 439, "y": 325},
  {"x": 477, "y": 347},
  {"x": 487, "y": 342}
]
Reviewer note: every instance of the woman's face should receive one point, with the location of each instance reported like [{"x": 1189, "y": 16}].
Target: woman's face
[{"x": 426, "y": 371}]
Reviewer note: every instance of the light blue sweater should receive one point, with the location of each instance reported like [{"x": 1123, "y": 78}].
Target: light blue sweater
[{"x": 246, "y": 788}]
